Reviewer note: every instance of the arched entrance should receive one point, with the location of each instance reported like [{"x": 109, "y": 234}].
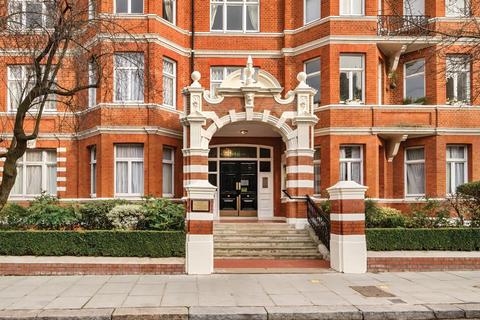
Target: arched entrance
[{"x": 254, "y": 102}]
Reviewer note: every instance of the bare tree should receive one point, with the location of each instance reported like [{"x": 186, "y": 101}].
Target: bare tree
[{"x": 46, "y": 40}]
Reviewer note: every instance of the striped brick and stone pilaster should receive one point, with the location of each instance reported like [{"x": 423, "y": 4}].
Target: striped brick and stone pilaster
[
  {"x": 299, "y": 183},
  {"x": 200, "y": 194},
  {"x": 348, "y": 248}
]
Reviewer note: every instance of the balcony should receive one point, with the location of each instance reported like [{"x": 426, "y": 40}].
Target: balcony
[{"x": 406, "y": 26}]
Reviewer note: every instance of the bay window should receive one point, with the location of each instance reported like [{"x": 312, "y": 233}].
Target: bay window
[
  {"x": 457, "y": 8},
  {"x": 312, "y": 69},
  {"x": 414, "y": 80},
  {"x": 36, "y": 173},
  {"x": 169, "y": 82},
  {"x": 458, "y": 79},
  {"x": 21, "y": 79},
  {"x": 170, "y": 10},
  {"x": 415, "y": 172},
  {"x": 351, "y": 78},
  {"x": 351, "y": 164},
  {"x": 457, "y": 164},
  {"x": 351, "y": 7},
  {"x": 129, "y": 77},
  {"x": 129, "y": 6},
  {"x": 311, "y": 10},
  {"x": 129, "y": 175},
  {"x": 234, "y": 15},
  {"x": 316, "y": 171},
  {"x": 168, "y": 171}
]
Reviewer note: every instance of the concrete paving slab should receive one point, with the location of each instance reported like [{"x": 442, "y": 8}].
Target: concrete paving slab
[
  {"x": 164, "y": 313},
  {"x": 314, "y": 313},
  {"x": 67, "y": 303},
  {"x": 397, "y": 312},
  {"x": 446, "y": 311},
  {"x": 78, "y": 314},
  {"x": 227, "y": 313},
  {"x": 142, "y": 301}
]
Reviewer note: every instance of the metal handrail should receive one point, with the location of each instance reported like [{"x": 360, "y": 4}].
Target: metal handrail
[
  {"x": 406, "y": 25},
  {"x": 319, "y": 220}
]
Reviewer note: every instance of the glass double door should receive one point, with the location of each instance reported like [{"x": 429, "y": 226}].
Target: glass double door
[{"x": 238, "y": 188}]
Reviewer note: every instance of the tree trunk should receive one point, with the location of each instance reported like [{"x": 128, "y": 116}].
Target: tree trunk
[{"x": 10, "y": 172}]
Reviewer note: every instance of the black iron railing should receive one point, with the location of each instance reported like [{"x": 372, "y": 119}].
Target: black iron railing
[
  {"x": 396, "y": 25},
  {"x": 318, "y": 219}
]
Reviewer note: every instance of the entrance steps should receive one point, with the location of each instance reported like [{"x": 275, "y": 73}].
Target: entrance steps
[{"x": 263, "y": 240}]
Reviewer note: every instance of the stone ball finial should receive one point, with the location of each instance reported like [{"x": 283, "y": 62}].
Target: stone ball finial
[
  {"x": 302, "y": 77},
  {"x": 196, "y": 76}
]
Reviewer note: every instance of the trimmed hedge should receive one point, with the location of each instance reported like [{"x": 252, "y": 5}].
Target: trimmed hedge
[
  {"x": 93, "y": 243},
  {"x": 451, "y": 239}
]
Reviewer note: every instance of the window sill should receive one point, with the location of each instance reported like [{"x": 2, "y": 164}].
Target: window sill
[{"x": 234, "y": 32}]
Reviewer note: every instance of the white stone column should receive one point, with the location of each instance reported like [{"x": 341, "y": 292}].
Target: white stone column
[{"x": 348, "y": 246}]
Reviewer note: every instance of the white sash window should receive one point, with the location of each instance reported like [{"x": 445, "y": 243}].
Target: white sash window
[
  {"x": 457, "y": 164},
  {"x": 351, "y": 7},
  {"x": 129, "y": 77},
  {"x": 168, "y": 171},
  {"x": 414, "y": 80},
  {"x": 312, "y": 69},
  {"x": 352, "y": 78},
  {"x": 36, "y": 172},
  {"x": 169, "y": 82},
  {"x": 351, "y": 164},
  {"x": 415, "y": 172},
  {"x": 170, "y": 10},
  {"x": 234, "y": 15},
  {"x": 93, "y": 171},
  {"x": 129, "y": 175},
  {"x": 129, "y": 6},
  {"x": 312, "y": 9},
  {"x": 458, "y": 79},
  {"x": 457, "y": 8}
]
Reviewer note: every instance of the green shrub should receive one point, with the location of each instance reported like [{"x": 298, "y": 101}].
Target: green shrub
[
  {"x": 12, "y": 216},
  {"x": 126, "y": 216},
  {"x": 162, "y": 214},
  {"x": 431, "y": 214},
  {"x": 468, "y": 199},
  {"x": 93, "y": 243},
  {"x": 382, "y": 217},
  {"x": 453, "y": 239},
  {"x": 93, "y": 215}
]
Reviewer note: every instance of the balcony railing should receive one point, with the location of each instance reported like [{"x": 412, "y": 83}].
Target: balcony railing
[{"x": 395, "y": 25}]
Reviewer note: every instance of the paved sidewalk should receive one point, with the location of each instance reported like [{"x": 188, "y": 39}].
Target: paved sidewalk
[{"x": 413, "y": 292}]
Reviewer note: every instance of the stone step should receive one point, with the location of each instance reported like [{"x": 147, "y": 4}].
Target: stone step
[
  {"x": 245, "y": 252},
  {"x": 266, "y": 255},
  {"x": 265, "y": 245},
  {"x": 258, "y": 232},
  {"x": 240, "y": 238},
  {"x": 252, "y": 226}
]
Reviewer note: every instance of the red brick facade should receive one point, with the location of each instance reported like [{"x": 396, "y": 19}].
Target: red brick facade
[{"x": 280, "y": 47}]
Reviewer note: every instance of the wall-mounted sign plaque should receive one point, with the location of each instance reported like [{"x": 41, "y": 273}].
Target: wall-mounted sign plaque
[{"x": 200, "y": 205}]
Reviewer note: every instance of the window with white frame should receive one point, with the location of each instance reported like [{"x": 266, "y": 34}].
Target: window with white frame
[
  {"x": 169, "y": 82},
  {"x": 457, "y": 163},
  {"x": 217, "y": 75},
  {"x": 30, "y": 14},
  {"x": 414, "y": 80},
  {"x": 129, "y": 6},
  {"x": 351, "y": 78},
  {"x": 457, "y": 8},
  {"x": 93, "y": 171},
  {"x": 92, "y": 80},
  {"x": 312, "y": 10},
  {"x": 316, "y": 171},
  {"x": 21, "y": 78},
  {"x": 414, "y": 7},
  {"x": 458, "y": 79},
  {"x": 351, "y": 7},
  {"x": 168, "y": 171},
  {"x": 36, "y": 173},
  {"x": 129, "y": 77},
  {"x": 170, "y": 10},
  {"x": 312, "y": 69},
  {"x": 91, "y": 9},
  {"x": 129, "y": 175},
  {"x": 351, "y": 163},
  {"x": 415, "y": 172},
  {"x": 234, "y": 15}
]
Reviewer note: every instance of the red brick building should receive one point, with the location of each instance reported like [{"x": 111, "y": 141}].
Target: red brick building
[{"x": 383, "y": 113}]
